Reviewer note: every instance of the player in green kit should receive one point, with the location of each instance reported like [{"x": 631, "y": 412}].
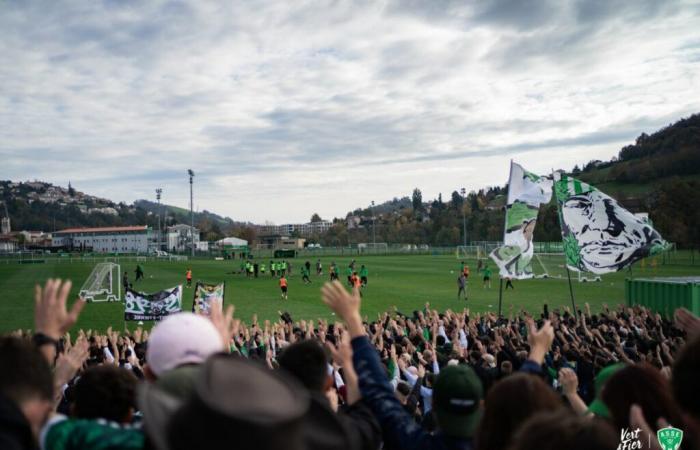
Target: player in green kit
[
  {"x": 487, "y": 276},
  {"x": 348, "y": 273},
  {"x": 262, "y": 268},
  {"x": 363, "y": 275},
  {"x": 305, "y": 275}
]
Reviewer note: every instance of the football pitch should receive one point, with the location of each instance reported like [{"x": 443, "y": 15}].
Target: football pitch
[{"x": 406, "y": 282}]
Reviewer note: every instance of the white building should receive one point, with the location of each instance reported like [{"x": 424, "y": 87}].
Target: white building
[
  {"x": 303, "y": 229},
  {"x": 179, "y": 238},
  {"x": 134, "y": 239}
]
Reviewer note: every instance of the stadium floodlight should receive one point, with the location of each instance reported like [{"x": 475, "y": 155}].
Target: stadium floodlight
[
  {"x": 159, "y": 191},
  {"x": 464, "y": 216},
  {"x": 374, "y": 227},
  {"x": 190, "y": 172}
]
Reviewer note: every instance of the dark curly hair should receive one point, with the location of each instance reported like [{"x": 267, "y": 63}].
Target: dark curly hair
[{"x": 105, "y": 392}]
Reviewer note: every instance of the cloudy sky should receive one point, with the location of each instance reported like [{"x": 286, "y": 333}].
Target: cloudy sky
[{"x": 288, "y": 108}]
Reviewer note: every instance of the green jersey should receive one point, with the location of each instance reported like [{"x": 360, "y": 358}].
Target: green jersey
[
  {"x": 348, "y": 271},
  {"x": 68, "y": 434},
  {"x": 487, "y": 272},
  {"x": 363, "y": 272}
]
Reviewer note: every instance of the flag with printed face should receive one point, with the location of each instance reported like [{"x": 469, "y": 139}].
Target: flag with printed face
[
  {"x": 598, "y": 234},
  {"x": 526, "y": 192},
  {"x": 204, "y": 295},
  {"x": 156, "y": 306}
]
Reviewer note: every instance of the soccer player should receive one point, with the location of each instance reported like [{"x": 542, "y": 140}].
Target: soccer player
[
  {"x": 363, "y": 275},
  {"x": 487, "y": 276},
  {"x": 332, "y": 271},
  {"x": 308, "y": 266},
  {"x": 256, "y": 269},
  {"x": 349, "y": 273},
  {"x": 262, "y": 268},
  {"x": 466, "y": 272},
  {"x": 273, "y": 268},
  {"x": 355, "y": 282},
  {"x": 305, "y": 275},
  {"x": 125, "y": 281},
  {"x": 462, "y": 286},
  {"x": 509, "y": 283},
  {"x": 139, "y": 273},
  {"x": 188, "y": 277},
  {"x": 283, "y": 287},
  {"x": 319, "y": 267},
  {"x": 336, "y": 272}
]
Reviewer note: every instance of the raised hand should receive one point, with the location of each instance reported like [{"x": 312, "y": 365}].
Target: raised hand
[
  {"x": 568, "y": 381},
  {"x": 540, "y": 340},
  {"x": 686, "y": 321},
  {"x": 224, "y": 322},
  {"x": 345, "y": 305},
  {"x": 50, "y": 315},
  {"x": 68, "y": 363}
]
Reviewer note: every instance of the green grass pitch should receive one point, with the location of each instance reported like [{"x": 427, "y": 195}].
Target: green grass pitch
[{"x": 406, "y": 282}]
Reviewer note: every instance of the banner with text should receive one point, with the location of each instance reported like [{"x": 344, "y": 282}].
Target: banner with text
[{"x": 156, "y": 306}]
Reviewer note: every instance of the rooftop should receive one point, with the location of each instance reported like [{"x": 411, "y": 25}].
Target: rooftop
[{"x": 103, "y": 229}]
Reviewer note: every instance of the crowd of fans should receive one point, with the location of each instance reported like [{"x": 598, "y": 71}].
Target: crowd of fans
[{"x": 408, "y": 380}]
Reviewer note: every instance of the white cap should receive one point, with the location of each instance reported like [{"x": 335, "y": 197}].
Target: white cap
[{"x": 183, "y": 338}]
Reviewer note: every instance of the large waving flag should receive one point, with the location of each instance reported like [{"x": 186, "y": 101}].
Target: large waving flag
[
  {"x": 526, "y": 192},
  {"x": 599, "y": 235}
]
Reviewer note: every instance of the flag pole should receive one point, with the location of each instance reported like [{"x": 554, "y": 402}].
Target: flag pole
[
  {"x": 500, "y": 296},
  {"x": 571, "y": 289},
  {"x": 500, "y": 277},
  {"x": 568, "y": 272}
]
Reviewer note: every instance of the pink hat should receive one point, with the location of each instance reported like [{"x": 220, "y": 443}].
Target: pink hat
[{"x": 183, "y": 338}]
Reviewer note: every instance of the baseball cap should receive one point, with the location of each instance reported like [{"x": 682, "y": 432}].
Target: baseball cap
[
  {"x": 597, "y": 406},
  {"x": 183, "y": 338},
  {"x": 457, "y": 395},
  {"x": 233, "y": 400}
]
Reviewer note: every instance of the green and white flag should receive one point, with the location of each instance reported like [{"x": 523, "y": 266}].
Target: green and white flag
[
  {"x": 140, "y": 306},
  {"x": 526, "y": 192},
  {"x": 598, "y": 234},
  {"x": 204, "y": 294}
]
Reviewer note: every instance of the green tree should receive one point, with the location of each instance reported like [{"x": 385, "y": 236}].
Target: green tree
[{"x": 417, "y": 200}]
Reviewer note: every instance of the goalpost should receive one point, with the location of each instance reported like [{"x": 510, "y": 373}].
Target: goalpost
[
  {"x": 553, "y": 266},
  {"x": 470, "y": 251},
  {"x": 103, "y": 284},
  {"x": 373, "y": 247}
]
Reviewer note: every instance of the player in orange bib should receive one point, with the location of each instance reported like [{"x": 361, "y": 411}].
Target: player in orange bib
[
  {"x": 466, "y": 272},
  {"x": 188, "y": 276},
  {"x": 283, "y": 287},
  {"x": 356, "y": 283}
]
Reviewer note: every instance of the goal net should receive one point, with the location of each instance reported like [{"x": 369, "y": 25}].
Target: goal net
[
  {"x": 373, "y": 247},
  {"x": 552, "y": 265},
  {"x": 470, "y": 252},
  {"x": 103, "y": 284}
]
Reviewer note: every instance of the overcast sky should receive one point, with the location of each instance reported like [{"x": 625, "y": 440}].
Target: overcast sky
[{"x": 288, "y": 108}]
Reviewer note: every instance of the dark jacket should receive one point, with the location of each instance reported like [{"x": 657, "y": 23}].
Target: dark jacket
[
  {"x": 15, "y": 431},
  {"x": 399, "y": 429},
  {"x": 353, "y": 428}
]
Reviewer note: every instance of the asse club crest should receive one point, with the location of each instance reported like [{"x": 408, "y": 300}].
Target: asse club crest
[{"x": 670, "y": 438}]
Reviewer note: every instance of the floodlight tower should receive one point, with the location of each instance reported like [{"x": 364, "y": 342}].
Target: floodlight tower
[
  {"x": 159, "y": 191},
  {"x": 464, "y": 216},
  {"x": 374, "y": 229},
  {"x": 191, "y": 174}
]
